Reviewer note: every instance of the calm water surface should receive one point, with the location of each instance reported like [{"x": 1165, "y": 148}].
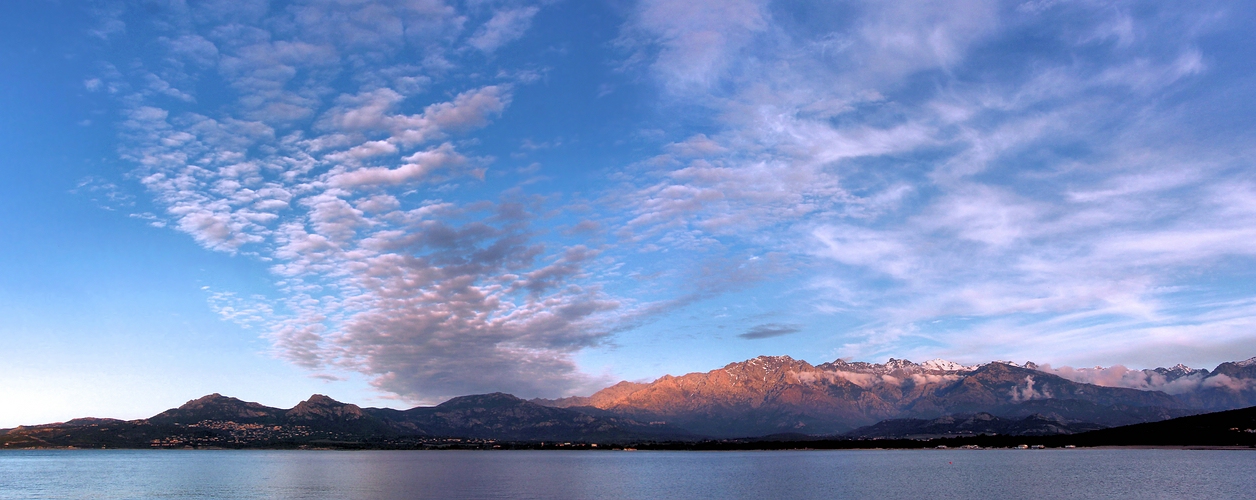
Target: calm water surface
[{"x": 142, "y": 474}]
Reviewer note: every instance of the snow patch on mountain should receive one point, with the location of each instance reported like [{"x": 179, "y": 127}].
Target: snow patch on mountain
[{"x": 943, "y": 365}]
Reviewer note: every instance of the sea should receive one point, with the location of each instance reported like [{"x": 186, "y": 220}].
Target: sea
[{"x": 880, "y": 474}]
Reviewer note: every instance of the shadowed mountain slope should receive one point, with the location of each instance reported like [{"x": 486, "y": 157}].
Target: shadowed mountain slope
[
  {"x": 503, "y": 416},
  {"x": 219, "y": 421},
  {"x": 969, "y": 425},
  {"x": 1225, "y": 428}
]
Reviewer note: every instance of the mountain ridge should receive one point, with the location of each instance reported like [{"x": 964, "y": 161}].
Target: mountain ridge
[
  {"x": 766, "y": 395},
  {"x": 320, "y": 421},
  {"x": 778, "y": 394}
]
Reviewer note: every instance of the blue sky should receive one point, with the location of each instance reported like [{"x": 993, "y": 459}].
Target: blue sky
[{"x": 397, "y": 202}]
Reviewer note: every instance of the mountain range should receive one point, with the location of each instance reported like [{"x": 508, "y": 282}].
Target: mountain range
[
  {"x": 778, "y": 394},
  {"x": 768, "y": 395},
  {"x": 225, "y": 422}
]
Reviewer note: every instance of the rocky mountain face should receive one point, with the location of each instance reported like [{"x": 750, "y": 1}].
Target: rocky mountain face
[
  {"x": 764, "y": 395},
  {"x": 323, "y": 408},
  {"x": 778, "y": 394},
  {"x": 600, "y": 399}
]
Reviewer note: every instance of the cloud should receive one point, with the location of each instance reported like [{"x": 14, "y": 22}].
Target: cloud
[
  {"x": 697, "y": 40},
  {"x": 505, "y": 26},
  {"x": 1227, "y": 382},
  {"x": 866, "y": 380},
  {"x": 430, "y": 298},
  {"x": 415, "y": 167},
  {"x": 984, "y": 209},
  {"x": 436, "y": 312},
  {"x": 247, "y": 313},
  {"x": 103, "y": 193},
  {"x": 109, "y": 21},
  {"x": 194, "y": 49},
  {"x": 374, "y": 112},
  {"x": 1028, "y": 393},
  {"x": 905, "y": 37},
  {"x": 1120, "y": 376},
  {"x": 946, "y": 177},
  {"x": 769, "y": 330}
]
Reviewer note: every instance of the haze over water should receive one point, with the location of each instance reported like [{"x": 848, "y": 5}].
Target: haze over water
[{"x": 1080, "y": 473}]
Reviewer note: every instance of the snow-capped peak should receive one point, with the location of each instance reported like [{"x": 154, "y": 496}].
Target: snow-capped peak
[
  {"x": 942, "y": 365},
  {"x": 1249, "y": 362},
  {"x": 895, "y": 364}
]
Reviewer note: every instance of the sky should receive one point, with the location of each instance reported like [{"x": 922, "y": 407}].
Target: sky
[{"x": 394, "y": 203}]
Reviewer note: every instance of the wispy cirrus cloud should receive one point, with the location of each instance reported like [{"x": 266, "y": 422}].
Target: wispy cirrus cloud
[{"x": 935, "y": 168}]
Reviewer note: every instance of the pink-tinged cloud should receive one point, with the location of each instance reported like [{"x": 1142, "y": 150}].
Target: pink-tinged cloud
[{"x": 414, "y": 168}]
